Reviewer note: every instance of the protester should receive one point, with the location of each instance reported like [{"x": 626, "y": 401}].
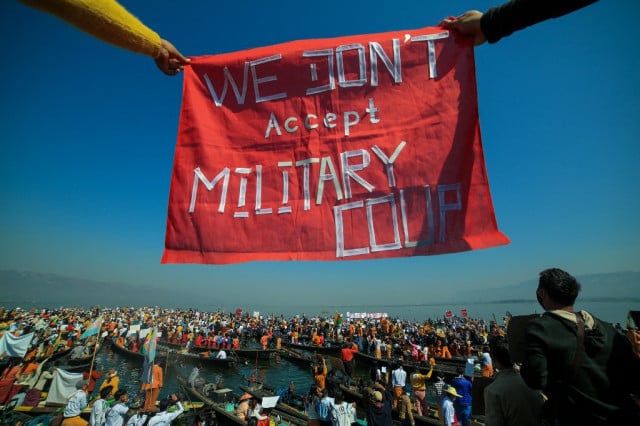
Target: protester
[
  {"x": 100, "y": 407},
  {"x": 583, "y": 364},
  {"x": 419, "y": 386},
  {"x": 92, "y": 375},
  {"x": 167, "y": 411},
  {"x": 379, "y": 412},
  {"x": 76, "y": 403},
  {"x": 108, "y": 21},
  {"x": 343, "y": 413},
  {"x": 448, "y": 411},
  {"x": 112, "y": 380},
  {"x": 502, "y": 21},
  {"x": 507, "y": 399},
  {"x": 117, "y": 414},
  {"x": 405, "y": 412},
  {"x": 346, "y": 355},
  {"x": 324, "y": 407},
  {"x": 152, "y": 390},
  {"x": 242, "y": 410},
  {"x": 398, "y": 381},
  {"x": 462, "y": 403}
]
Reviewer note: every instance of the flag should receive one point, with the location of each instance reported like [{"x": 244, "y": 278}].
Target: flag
[
  {"x": 448, "y": 314},
  {"x": 356, "y": 147},
  {"x": 149, "y": 348},
  {"x": 93, "y": 329},
  {"x": 463, "y": 312}
]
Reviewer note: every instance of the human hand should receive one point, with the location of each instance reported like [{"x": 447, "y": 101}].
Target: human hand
[
  {"x": 467, "y": 24},
  {"x": 170, "y": 61}
]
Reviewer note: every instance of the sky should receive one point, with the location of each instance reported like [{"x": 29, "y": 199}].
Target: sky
[{"x": 89, "y": 133}]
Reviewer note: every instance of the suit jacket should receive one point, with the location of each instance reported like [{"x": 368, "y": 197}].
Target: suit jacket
[{"x": 609, "y": 370}]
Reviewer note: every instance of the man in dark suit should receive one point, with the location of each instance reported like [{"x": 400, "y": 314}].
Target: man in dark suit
[{"x": 584, "y": 365}]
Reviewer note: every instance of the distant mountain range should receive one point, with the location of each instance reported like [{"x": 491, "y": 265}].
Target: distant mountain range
[
  {"x": 609, "y": 286},
  {"x": 32, "y": 289}
]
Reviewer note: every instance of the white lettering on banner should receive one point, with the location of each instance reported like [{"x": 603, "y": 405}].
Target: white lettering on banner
[
  {"x": 311, "y": 121},
  {"x": 347, "y": 173},
  {"x": 396, "y": 244},
  {"x": 331, "y": 60}
]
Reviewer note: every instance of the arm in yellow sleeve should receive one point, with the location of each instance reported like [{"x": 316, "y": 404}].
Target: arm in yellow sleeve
[{"x": 106, "y": 20}]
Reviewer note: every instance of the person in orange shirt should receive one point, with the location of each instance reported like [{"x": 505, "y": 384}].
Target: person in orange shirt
[
  {"x": 152, "y": 390},
  {"x": 320, "y": 371},
  {"x": 264, "y": 341}
]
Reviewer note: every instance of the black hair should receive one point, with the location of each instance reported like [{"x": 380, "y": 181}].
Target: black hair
[
  {"x": 500, "y": 352},
  {"x": 561, "y": 286}
]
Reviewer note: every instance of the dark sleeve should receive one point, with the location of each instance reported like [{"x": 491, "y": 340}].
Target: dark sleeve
[
  {"x": 501, "y": 21},
  {"x": 534, "y": 368}
]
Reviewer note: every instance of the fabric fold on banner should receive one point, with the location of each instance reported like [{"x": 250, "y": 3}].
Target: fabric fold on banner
[
  {"x": 357, "y": 147},
  {"x": 12, "y": 346}
]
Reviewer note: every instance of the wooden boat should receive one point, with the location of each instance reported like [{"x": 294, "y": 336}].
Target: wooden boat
[
  {"x": 332, "y": 350},
  {"x": 248, "y": 353},
  {"x": 177, "y": 357},
  {"x": 353, "y": 394},
  {"x": 222, "y": 402},
  {"x": 160, "y": 358},
  {"x": 441, "y": 368},
  {"x": 294, "y": 407},
  {"x": 302, "y": 359}
]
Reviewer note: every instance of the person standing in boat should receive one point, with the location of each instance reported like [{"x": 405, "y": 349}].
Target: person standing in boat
[
  {"x": 379, "y": 412},
  {"x": 346, "y": 354},
  {"x": 77, "y": 402},
  {"x": 419, "y": 386},
  {"x": 152, "y": 390},
  {"x": 448, "y": 411},
  {"x": 100, "y": 407},
  {"x": 398, "y": 381},
  {"x": 462, "y": 403}
]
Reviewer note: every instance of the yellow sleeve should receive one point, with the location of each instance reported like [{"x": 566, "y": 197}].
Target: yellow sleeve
[{"x": 106, "y": 20}]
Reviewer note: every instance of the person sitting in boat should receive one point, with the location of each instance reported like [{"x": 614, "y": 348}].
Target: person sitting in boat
[
  {"x": 222, "y": 354},
  {"x": 255, "y": 413},
  {"x": 242, "y": 410}
]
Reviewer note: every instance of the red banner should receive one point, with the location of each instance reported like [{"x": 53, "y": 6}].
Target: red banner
[
  {"x": 351, "y": 148},
  {"x": 464, "y": 313}
]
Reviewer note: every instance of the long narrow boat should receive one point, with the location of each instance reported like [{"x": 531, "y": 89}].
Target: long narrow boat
[
  {"x": 175, "y": 357},
  {"x": 248, "y": 353},
  {"x": 353, "y": 394},
  {"x": 179, "y": 357},
  {"x": 331, "y": 350},
  {"x": 302, "y": 359},
  {"x": 441, "y": 367},
  {"x": 225, "y": 410},
  {"x": 160, "y": 357},
  {"x": 295, "y": 407}
]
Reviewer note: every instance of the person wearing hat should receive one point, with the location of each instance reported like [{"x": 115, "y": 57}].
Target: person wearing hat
[
  {"x": 117, "y": 414},
  {"x": 100, "y": 407},
  {"x": 379, "y": 412},
  {"x": 448, "y": 412},
  {"x": 242, "y": 410},
  {"x": 112, "y": 380}
]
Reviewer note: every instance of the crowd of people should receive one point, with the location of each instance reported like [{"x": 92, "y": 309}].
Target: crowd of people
[{"x": 552, "y": 369}]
